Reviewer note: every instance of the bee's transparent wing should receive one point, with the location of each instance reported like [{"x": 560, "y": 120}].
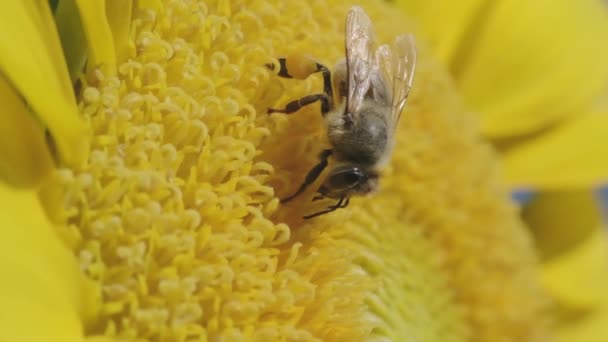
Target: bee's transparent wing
[
  {"x": 397, "y": 65},
  {"x": 359, "y": 56}
]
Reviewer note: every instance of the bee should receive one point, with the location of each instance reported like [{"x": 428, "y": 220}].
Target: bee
[{"x": 361, "y": 105}]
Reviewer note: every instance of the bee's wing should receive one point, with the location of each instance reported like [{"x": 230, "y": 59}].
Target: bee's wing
[
  {"x": 359, "y": 56},
  {"x": 397, "y": 66}
]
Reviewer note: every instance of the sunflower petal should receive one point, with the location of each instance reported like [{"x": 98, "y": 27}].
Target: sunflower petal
[
  {"x": 575, "y": 252},
  {"x": 559, "y": 220},
  {"x": 36, "y": 69},
  {"x": 94, "y": 20},
  {"x": 445, "y": 22},
  {"x": 523, "y": 74},
  {"x": 119, "y": 18},
  {"x": 72, "y": 36},
  {"x": 578, "y": 278},
  {"x": 42, "y": 286},
  {"x": 591, "y": 328},
  {"x": 567, "y": 157},
  {"x": 26, "y": 158},
  {"x": 522, "y": 65}
]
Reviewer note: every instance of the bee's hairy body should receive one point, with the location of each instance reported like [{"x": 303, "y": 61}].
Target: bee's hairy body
[
  {"x": 361, "y": 137},
  {"x": 362, "y": 141}
]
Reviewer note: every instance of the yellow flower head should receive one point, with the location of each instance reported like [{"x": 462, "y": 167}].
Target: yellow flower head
[{"x": 176, "y": 218}]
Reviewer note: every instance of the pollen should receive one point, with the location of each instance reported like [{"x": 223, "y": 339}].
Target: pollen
[
  {"x": 177, "y": 215},
  {"x": 300, "y": 66}
]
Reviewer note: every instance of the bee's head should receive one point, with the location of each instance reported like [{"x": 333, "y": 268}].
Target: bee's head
[{"x": 347, "y": 180}]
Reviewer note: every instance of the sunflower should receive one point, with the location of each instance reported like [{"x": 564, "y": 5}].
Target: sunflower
[{"x": 156, "y": 215}]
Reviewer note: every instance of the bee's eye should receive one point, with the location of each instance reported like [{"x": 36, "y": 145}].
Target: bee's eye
[{"x": 346, "y": 178}]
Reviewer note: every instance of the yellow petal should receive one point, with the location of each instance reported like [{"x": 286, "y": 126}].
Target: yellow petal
[
  {"x": 559, "y": 220},
  {"x": 570, "y": 156},
  {"x": 94, "y": 21},
  {"x": 72, "y": 36},
  {"x": 44, "y": 295},
  {"x": 445, "y": 23},
  {"x": 578, "y": 278},
  {"x": 42, "y": 18},
  {"x": 70, "y": 16},
  {"x": 26, "y": 158},
  {"x": 521, "y": 65},
  {"x": 589, "y": 328},
  {"x": 35, "y": 67},
  {"x": 533, "y": 63},
  {"x": 575, "y": 269},
  {"x": 119, "y": 19}
]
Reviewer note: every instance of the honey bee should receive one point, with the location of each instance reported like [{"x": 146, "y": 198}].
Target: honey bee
[{"x": 361, "y": 106}]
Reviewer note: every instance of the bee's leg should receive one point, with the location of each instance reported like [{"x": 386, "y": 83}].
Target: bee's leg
[
  {"x": 327, "y": 89},
  {"x": 295, "y": 105},
  {"x": 346, "y": 203},
  {"x": 342, "y": 203},
  {"x": 295, "y": 66},
  {"x": 300, "y": 67},
  {"x": 312, "y": 175}
]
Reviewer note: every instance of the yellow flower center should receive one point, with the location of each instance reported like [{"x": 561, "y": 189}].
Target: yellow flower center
[{"x": 176, "y": 214}]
